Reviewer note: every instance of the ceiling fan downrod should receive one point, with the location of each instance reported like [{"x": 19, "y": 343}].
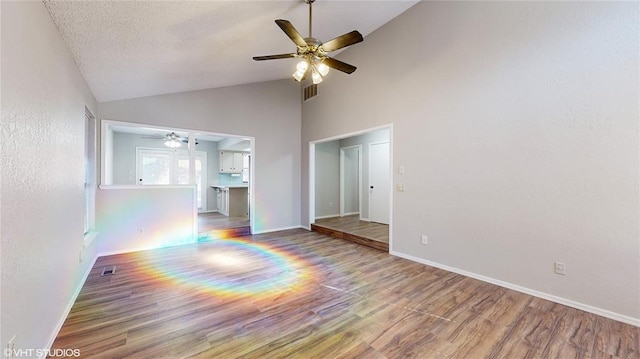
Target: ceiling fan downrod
[{"x": 310, "y": 2}]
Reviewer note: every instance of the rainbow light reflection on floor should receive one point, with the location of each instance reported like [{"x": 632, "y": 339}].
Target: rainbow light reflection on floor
[{"x": 230, "y": 268}]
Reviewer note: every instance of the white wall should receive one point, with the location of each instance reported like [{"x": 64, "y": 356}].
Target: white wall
[
  {"x": 43, "y": 110},
  {"x": 269, "y": 112},
  {"x": 518, "y": 126}
]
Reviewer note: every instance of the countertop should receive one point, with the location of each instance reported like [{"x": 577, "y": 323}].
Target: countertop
[{"x": 230, "y": 186}]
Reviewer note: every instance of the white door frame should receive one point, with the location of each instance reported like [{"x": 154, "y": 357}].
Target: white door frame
[{"x": 342, "y": 179}]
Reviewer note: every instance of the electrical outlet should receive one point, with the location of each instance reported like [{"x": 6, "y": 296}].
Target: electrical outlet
[
  {"x": 424, "y": 239},
  {"x": 81, "y": 255},
  {"x": 400, "y": 187},
  {"x": 330, "y": 204},
  {"x": 559, "y": 268},
  {"x": 140, "y": 230}
]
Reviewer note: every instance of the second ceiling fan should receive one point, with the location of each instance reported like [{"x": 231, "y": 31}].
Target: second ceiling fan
[{"x": 313, "y": 52}]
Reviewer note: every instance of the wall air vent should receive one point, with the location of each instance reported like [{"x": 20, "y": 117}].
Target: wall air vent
[
  {"x": 110, "y": 270},
  {"x": 309, "y": 92}
]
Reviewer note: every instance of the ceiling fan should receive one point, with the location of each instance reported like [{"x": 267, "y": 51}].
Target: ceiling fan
[
  {"x": 313, "y": 52},
  {"x": 171, "y": 140}
]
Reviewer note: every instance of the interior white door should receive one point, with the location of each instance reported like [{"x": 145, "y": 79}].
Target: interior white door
[{"x": 379, "y": 182}]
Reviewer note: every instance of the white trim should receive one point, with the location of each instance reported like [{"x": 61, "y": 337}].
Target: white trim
[
  {"x": 312, "y": 183},
  {"x": 391, "y": 185},
  {"x": 329, "y": 216},
  {"x": 72, "y": 301},
  {"x": 349, "y": 214},
  {"x": 550, "y": 297},
  {"x": 277, "y": 230},
  {"x": 147, "y": 186},
  {"x": 89, "y": 237},
  {"x": 352, "y": 134}
]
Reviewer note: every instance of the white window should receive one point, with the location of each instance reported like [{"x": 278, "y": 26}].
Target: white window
[
  {"x": 171, "y": 167},
  {"x": 89, "y": 172}
]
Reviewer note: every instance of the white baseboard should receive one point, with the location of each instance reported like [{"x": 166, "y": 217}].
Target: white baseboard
[
  {"x": 328, "y": 216},
  {"x": 72, "y": 301},
  {"x": 570, "y": 303},
  {"x": 365, "y": 219},
  {"x": 277, "y": 230},
  {"x": 350, "y": 214}
]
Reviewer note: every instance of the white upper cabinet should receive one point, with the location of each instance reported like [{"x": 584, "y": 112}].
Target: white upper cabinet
[{"x": 231, "y": 162}]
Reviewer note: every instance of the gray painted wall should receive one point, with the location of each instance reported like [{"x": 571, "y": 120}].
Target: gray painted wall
[
  {"x": 518, "y": 126},
  {"x": 42, "y": 195},
  {"x": 328, "y": 179},
  {"x": 350, "y": 178}
]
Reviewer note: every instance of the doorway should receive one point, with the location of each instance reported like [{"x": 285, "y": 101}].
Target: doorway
[
  {"x": 135, "y": 154},
  {"x": 336, "y": 165}
]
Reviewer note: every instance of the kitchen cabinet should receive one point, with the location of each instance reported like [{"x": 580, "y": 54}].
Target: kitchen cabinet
[
  {"x": 232, "y": 200},
  {"x": 222, "y": 197},
  {"x": 231, "y": 162}
]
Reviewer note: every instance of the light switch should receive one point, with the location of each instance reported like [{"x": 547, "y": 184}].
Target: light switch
[
  {"x": 401, "y": 170},
  {"x": 400, "y": 187}
]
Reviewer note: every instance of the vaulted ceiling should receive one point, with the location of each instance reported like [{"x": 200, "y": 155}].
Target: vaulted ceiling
[{"x": 128, "y": 49}]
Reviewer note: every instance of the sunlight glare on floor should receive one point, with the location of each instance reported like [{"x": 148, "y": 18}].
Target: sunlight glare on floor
[{"x": 225, "y": 259}]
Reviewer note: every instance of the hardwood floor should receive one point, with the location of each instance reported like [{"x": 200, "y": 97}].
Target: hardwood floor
[
  {"x": 300, "y": 294},
  {"x": 351, "y": 228},
  {"x": 217, "y": 225}
]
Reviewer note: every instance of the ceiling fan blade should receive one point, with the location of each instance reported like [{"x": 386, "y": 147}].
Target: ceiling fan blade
[
  {"x": 339, "y": 65},
  {"x": 345, "y": 40},
  {"x": 291, "y": 31},
  {"x": 273, "y": 57}
]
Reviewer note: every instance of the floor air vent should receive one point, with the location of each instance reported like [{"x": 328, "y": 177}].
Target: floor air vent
[
  {"x": 309, "y": 92},
  {"x": 111, "y": 270}
]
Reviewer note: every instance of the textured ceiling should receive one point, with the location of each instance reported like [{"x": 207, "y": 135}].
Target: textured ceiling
[{"x": 128, "y": 49}]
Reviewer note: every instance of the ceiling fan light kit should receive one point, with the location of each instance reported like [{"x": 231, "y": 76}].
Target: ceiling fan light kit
[
  {"x": 172, "y": 140},
  {"x": 313, "y": 53}
]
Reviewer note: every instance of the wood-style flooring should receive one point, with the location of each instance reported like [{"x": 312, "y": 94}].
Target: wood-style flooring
[
  {"x": 218, "y": 225},
  {"x": 300, "y": 294},
  {"x": 351, "y": 228}
]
